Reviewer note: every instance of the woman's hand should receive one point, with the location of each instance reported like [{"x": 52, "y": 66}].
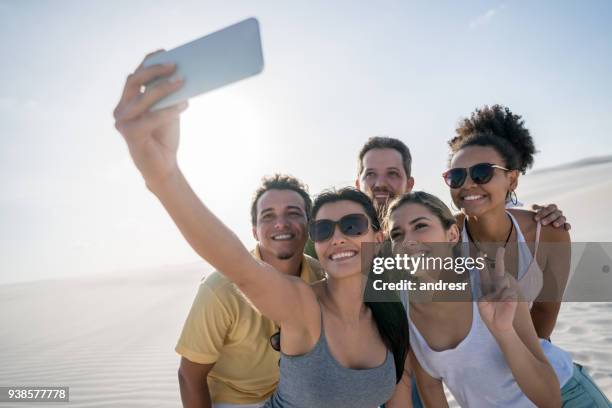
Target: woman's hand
[
  {"x": 152, "y": 137},
  {"x": 500, "y": 297}
]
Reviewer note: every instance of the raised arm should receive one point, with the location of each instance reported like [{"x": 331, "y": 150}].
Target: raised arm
[
  {"x": 510, "y": 323},
  {"x": 152, "y": 139}
]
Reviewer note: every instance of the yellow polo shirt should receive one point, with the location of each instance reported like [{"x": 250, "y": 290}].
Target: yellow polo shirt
[{"x": 224, "y": 329}]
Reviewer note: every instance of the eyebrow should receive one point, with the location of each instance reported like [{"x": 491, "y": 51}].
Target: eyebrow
[
  {"x": 289, "y": 207},
  {"x": 386, "y": 168},
  {"x": 418, "y": 219}
]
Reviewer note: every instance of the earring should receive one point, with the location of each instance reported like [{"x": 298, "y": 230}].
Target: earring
[{"x": 513, "y": 198}]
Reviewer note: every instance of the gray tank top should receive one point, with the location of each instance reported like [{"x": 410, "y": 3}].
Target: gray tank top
[{"x": 316, "y": 379}]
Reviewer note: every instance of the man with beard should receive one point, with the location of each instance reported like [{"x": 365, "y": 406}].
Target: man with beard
[{"x": 227, "y": 360}]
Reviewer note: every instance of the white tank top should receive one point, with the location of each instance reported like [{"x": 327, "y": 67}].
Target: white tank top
[
  {"x": 531, "y": 282},
  {"x": 475, "y": 371}
]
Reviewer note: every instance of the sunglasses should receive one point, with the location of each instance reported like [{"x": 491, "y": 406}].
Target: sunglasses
[
  {"x": 275, "y": 340},
  {"x": 480, "y": 173},
  {"x": 351, "y": 225}
]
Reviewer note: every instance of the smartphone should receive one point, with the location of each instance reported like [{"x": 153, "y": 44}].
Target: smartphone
[{"x": 212, "y": 61}]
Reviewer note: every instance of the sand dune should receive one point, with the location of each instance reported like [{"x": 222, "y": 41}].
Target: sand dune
[{"x": 110, "y": 338}]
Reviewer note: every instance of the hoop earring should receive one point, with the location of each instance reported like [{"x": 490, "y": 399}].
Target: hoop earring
[{"x": 513, "y": 198}]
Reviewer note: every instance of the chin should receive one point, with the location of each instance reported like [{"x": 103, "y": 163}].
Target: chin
[
  {"x": 285, "y": 255},
  {"x": 341, "y": 271}
]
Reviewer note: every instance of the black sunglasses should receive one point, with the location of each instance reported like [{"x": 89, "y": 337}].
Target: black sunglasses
[
  {"x": 275, "y": 340},
  {"x": 351, "y": 225},
  {"x": 480, "y": 173}
]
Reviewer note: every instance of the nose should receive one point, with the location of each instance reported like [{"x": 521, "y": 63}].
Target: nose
[
  {"x": 380, "y": 181},
  {"x": 281, "y": 222},
  {"x": 338, "y": 237},
  {"x": 468, "y": 183}
]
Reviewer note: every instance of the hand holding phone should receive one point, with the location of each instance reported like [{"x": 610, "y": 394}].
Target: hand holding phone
[{"x": 212, "y": 61}]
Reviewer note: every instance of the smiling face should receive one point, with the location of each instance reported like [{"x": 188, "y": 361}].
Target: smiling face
[
  {"x": 412, "y": 226},
  {"x": 477, "y": 199},
  {"x": 383, "y": 176},
  {"x": 340, "y": 255},
  {"x": 281, "y": 223}
]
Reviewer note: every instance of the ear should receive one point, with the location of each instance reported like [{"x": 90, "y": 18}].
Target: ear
[
  {"x": 453, "y": 234},
  {"x": 255, "y": 233},
  {"x": 379, "y": 236},
  {"x": 514, "y": 175},
  {"x": 409, "y": 184},
  {"x": 357, "y": 184}
]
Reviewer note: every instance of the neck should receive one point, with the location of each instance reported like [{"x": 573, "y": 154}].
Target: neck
[
  {"x": 345, "y": 297},
  {"x": 291, "y": 266},
  {"x": 493, "y": 226}
]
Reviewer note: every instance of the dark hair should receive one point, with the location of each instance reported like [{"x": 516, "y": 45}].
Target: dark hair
[
  {"x": 348, "y": 194},
  {"x": 390, "y": 317},
  {"x": 382, "y": 142},
  {"x": 498, "y": 127},
  {"x": 280, "y": 182}
]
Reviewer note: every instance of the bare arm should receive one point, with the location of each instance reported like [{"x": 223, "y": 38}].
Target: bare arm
[
  {"x": 431, "y": 389},
  {"x": 544, "y": 317},
  {"x": 402, "y": 396},
  {"x": 527, "y": 361},
  {"x": 510, "y": 323},
  {"x": 556, "y": 248},
  {"x": 192, "y": 382},
  {"x": 152, "y": 139}
]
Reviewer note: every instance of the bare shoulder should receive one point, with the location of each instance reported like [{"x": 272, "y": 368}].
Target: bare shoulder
[{"x": 529, "y": 226}]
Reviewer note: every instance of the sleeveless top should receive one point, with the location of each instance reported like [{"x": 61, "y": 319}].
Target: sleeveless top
[
  {"x": 530, "y": 277},
  {"x": 530, "y": 281},
  {"x": 315, "y": 379},
  {"x": 475, "y": 371}
]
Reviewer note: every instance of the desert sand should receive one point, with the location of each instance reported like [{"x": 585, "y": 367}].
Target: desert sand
[{"x": 111, "y": 337}]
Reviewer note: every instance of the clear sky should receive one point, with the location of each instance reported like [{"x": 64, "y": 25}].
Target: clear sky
[{"x": 71, "y": 203}]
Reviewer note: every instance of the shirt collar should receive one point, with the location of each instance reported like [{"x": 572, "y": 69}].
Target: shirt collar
[{"x": 306, "y": 272}]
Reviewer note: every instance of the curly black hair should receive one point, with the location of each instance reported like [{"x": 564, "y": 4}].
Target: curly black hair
[{"x": 496, "y": 126}]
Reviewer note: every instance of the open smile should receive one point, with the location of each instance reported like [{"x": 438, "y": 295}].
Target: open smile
[
  {"x": 283, "y": 237},
  {"x": 341, "y": 256}
]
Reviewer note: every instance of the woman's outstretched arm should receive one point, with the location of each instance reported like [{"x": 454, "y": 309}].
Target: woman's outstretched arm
[{"x": 153, "y": 139}]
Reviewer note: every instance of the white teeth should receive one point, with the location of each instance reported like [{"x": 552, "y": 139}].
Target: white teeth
[
  {"x": 282, "y": 237},
  {"x": 472, "y": 197},
  {"x": 343, "y": 255}
]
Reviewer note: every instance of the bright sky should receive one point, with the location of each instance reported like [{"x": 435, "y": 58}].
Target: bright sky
[{"x": 336, "y": 73}]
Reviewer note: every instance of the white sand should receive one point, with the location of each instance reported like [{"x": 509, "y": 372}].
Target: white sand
[{"x": 111, "y": 338}]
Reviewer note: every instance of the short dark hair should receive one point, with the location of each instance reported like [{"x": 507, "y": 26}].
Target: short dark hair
[
  {"x": 383, "y": 142},
  {"x": 496, "y": 126},
  {"x": 280, "y": 182},
  {"x": 348, "y": 194}
]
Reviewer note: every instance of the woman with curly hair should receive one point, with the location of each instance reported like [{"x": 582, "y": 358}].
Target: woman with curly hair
[{"x": 490, "y": 151}]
